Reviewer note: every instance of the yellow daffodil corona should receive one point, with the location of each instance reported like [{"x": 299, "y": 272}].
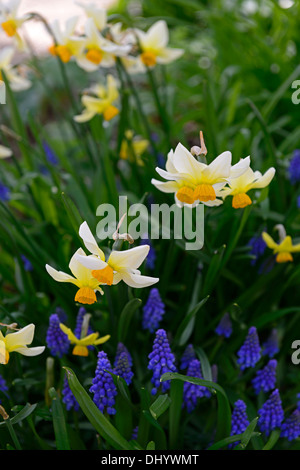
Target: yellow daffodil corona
[
  {"x": 284, "y": 249},
  {"x": 81, "y": 344},
  {"x": 82, "y": 277},
  {"x": 17, "y": 342}
]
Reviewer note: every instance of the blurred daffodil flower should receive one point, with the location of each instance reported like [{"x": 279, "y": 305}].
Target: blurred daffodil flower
[
  {"x": 194, "y": 181},
  {"x": 153, "y": 44},
  {"x": 241, "y": 185},
  {"x": 67, "y": 44},
  {"x": 81, "y": 344},
  {"x": 82, "y": 277},
  {"x": 99, "y": 100},
  {"x": 17, "y": 342},
  {"x": 284, "y": 248},
  {"x": 16, "y": 80},
  {"x": 133, "y": 147},
  {"x": 5, "y": 152},
  {"x": 120, "y": 265},
  {"x": 11, "y": 22},
  {"x": 97, "y": 50},
  {"x": 98, "y": 15}
]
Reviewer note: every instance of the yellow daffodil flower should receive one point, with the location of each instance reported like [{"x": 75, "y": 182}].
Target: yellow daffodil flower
[
  {"x": 120, "y": 266},
  {"x": 133, "y": 147},
  {"x": 17, "y": 342},
  {"x": 81, "y": 344},
  {"x": 153, "y": 45},
  {"x": 5, "y": 152},
  {"x": 82, "y": 277},
  {"x": 241, "y": 185},
  {"x": 101, "y": 102},
  {"x": 193, "y": 181},
  {"x": 16, "y": 80},
  {"x": 67, "y": 44},
  {"x": 11, "y": 22},
  {"x": 284, "y": 248},
  {"x": 98, "y": 51}
]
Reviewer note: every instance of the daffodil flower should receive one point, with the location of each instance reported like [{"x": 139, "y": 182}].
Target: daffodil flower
[
  {"x": 98, "y": 15},
  {"x": 81, "y": 344},
  {"x": 97, "y": 50},
  {"x": 101, "y": 102},
  {"x": 87, "y": 284},
  {"x": 67, "y": 44},
  {"x": 17, "y": 342},
  {"x": 153, "y": 44},
  {"x": 241, "y": 185},
  {"x": 16, "y": 80},
  {"x": 193, "y": 181},
  {"x": 5, "y": 152},
  {"x": 284, "y": 249},
  {"x": 11, "y": 22},
  {"x": 120, "y": 266},
  {"x": 132, "y": 147}
]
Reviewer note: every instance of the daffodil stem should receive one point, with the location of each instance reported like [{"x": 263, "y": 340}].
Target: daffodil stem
[
  {"x": 139, "y": 106},
  {"x": 161, "y": 110},
  {"x": 13, "y": 434}
]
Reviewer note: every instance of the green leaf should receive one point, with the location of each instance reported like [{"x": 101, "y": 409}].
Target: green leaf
[
  {"x": 26, "y": 411},
  {"x": 126, "y": 316},
  {"x": 224, "y": 411},
  {"x": 160, "y": 405},
  {"x": 176, "y": 395},
  {"x": 59, "y": 423},
  {"x": 185, "y": 329},
  {"x": 274, "y": 436},
  {"x": 102, "y": 425}
]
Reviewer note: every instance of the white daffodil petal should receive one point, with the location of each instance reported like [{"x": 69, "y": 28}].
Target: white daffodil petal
[
  {"x": 20, "y": 338},
  {"x": 128, "y": 259},
  {"x": 264, "y": 180},
  {"x": 91, "y": 262},
  {"x": 138, "y": 281},
  {"x": 60, "y": 276},
  {"x": 166, "y": 187},
  {"x": 30, "y": 351},
  {"x": 89, "y": 240}
]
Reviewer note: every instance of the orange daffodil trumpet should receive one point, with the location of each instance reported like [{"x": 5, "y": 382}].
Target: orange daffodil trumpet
[
  {"x": 284, "y": 249},
  {"x": 67, "y": 44},
  {"x": 82, "y": 277},
  {"x": 120, "y": 265},
  {"x": 17, "y": 342},
  {"x": 241, "y": 185},
  {"x": 100, "y": 100},
  {"x": 193, "y": 181},
  {"x": 153, "y": 44},
  {"x": 81, "y": 344}
]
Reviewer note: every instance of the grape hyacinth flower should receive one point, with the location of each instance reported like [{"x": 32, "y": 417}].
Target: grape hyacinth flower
[
  {"x": 153, "y": 311},
  {"x": 50, "y": 155},
  {"x": 4, "y": 193},
  {"x": 290, "y": 428},
  {"x": 257, "y": 246},
  {"x": 294, "y": 168},
  {"x": 271, "y": 413},
  {"x": 192, "y": 392},
  {"x": 3, "y": 386},
  {"x": 103, "y": 386},
  {"x": 187, "y": 356},
  {"x": 224, "y": 328},
  {"x": 250, "y": 352},
  {"x": 57, "y": 341},
  {"x": 61, "y": 314},
  {"x": 265, "y": 378},
  {"x": 68, "y": 397},
  {"x": 271, "y": 346},
  {"x": 161, "y": 360},
  {"x": 298, "y": 202},
  {"x": 27, "y": 264},
  {"x": 123, "y": 368},
  {"x": 239, "y": 420},
  {"x": 121, "y": 348}
]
